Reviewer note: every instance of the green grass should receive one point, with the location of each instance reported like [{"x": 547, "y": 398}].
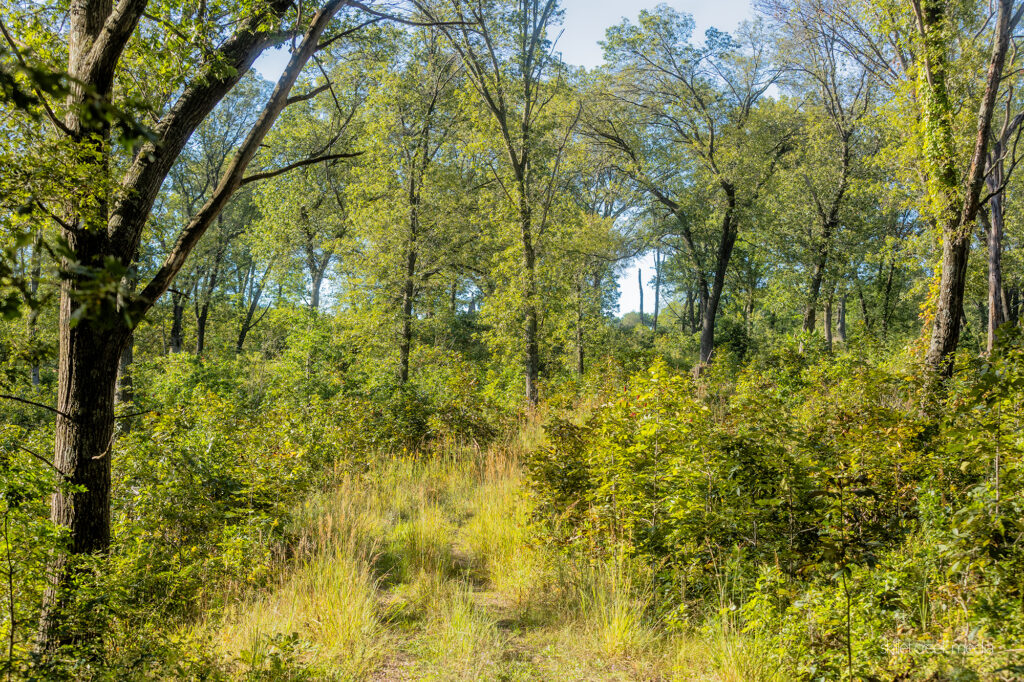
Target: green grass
[{"x": 426, "y": 569}]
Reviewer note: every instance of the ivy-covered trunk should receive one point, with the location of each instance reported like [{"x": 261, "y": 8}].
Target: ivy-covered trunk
[{"x": 958, "y": 197}]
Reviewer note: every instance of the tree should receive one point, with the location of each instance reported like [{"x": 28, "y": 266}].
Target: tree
[
  {"x": 952, "y": 94},
  {"x": 508, "y": 53},
  {"x": 999, "y": 166},
  {"x": 409, "y": 189},
  {"x": 113, "y": 192},
  {"x": 683, "y": 117},
  {"x": 836, "y": 143},
  {"x": 955, "y": 192}
]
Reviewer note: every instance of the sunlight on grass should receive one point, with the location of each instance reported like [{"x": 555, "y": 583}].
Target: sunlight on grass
[
  {"x": 330, "y": 604},
  {"x": 724, "y": 656},
  {"x": 431, "y": 562}
]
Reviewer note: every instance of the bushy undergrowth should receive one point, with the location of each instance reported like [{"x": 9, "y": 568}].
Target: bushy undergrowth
[
  {"x": 821, "y": 505},
  {"x": 213, "y": 465},
  {"x": 795, "y": 516}
]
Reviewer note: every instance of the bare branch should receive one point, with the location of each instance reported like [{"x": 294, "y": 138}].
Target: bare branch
[
  {"x": 35, "y": 404},
  {"x": 298, "y": 164}
]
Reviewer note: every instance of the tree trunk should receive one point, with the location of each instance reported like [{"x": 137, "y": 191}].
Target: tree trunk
[
  {"x": 125, "y": 384},
  {"x": 89, "y": 352},
  {"x": 530, "y": 322},
  {"x": 314, "y": 296},
  {"x": 408, "y": 294},
  {"x": 996, "y": 296},
  {"x": 960, "y": 195},
  {"x": 125, "y": 395},
  {"x": 177, "y": 339},
  {"x": 256, "y": 292},
  {"x": 828, "y": 323},
  {"x": 946, "y": 329},
  {"x": 813, "y": 292},
  {"x": 204, "y": 313},
  {"x": 579, "y": 327},
  {"x": 640, "y": 284},
  {"x": 247, "y": 323},
  {"x": 887, "y": 305},
  {"x": 710, "y": 308},
  {"x": 87, "y": 377},
  {"x": 864, "y": 307},
  {"x": 690, "y": 313},
  {"x": 657, "y": 288},
  {"x": 841, "y": 324}
]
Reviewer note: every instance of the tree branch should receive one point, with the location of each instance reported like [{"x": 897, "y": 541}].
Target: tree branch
[
  {"x": 57, "y": 123},
  {"x": 232, "y": 177},
  {"x": 309, "y": 95},
  {"x": 298, "y": 164},
  {"x": 35, "y": 404}
]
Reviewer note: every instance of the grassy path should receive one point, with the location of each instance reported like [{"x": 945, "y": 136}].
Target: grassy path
[{"x": 424, "y": 569}]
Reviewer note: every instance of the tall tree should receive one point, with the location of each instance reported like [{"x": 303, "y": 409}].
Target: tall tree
[
  {"x": 114, "y": 189},
  {"x": 679, "y": 115},
  {"x": 836, "y": 144},
  {"x": 507, "y": 49},
  {"x": 956, "y": 192},
  {"x": 411, "y": 182},
  {"x": 952, "y": 87}
]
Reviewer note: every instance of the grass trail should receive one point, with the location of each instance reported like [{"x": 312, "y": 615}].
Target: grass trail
[{"x": 425, "y": 569}]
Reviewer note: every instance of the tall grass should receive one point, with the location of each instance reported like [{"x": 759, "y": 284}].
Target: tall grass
[
  {"x": 329, "y": 604},
  {"x": 430, "y": 566}
]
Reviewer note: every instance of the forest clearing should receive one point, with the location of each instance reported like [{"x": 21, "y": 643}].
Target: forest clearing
[{"x": 511, "y": 340}]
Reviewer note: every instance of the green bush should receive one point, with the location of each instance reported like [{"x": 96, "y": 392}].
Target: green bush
[{"x": 815, "y": 499}]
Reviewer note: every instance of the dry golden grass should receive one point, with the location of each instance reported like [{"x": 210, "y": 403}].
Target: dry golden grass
[{"x": 426, "y": 568}]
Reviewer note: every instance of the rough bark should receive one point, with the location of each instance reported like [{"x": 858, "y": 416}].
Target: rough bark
[
  {"x": 89, "y": 351},
  {"x": 87, "y": 377},
  {"x": 176, "y": 339},
  {"x": 960, "y": 196},
  {"x": 813, "y": 293},
  {"x": 712, "y": 299}
]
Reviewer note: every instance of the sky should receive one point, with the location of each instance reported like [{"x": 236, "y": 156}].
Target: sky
[{"x": 585, "y": 25}]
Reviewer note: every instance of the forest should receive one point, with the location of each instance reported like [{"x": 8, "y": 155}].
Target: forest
[{"x": 316, "y": 361}]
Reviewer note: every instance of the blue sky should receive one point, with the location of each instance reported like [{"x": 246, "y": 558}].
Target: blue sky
[{"x": 585, "y": 25}]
